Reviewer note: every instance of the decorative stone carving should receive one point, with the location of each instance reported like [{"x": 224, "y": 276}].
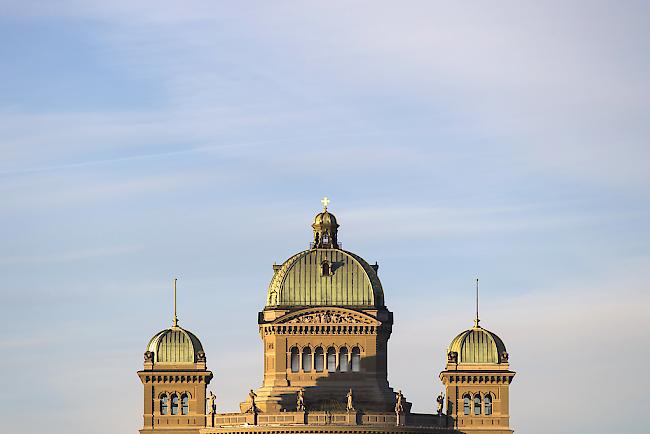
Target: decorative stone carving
[
  {"x": 200, "y": 356},
  {"x": 349, "y": 407},
  {"x": 504, "y": 357},
  {"x": 212, "y": 408},
  {"x": 327, "y": 317},
  {"x": 300, "y": 400},
  {"x": 441, "y": 402},
  {"x": 148, "y": 356},
  {"x": 253, "y": 408},
  {"x": 452, "y": 357},
  {"x": 399, "y": 406}
]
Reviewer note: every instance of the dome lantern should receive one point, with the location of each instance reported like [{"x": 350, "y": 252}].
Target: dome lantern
[{"x": 325, "y": 229}]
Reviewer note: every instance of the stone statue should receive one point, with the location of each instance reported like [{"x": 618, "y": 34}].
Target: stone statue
[
  {"x": 148, "y": 356},
  {"x": 441, "y": 401},
  {"x": 300, "y": 400},
  {"x": 349, "y": 406},
  {"x": 252, "y": 397},
  {"x": 212, "y": 408},
  {"x": 399, "y": 398}
]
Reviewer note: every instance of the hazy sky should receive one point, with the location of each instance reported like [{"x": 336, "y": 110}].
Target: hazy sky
[{"x": 146, "y": 140}]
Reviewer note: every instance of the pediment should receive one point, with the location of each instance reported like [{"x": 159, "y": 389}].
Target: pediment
[{"x": 334, "y": 315}]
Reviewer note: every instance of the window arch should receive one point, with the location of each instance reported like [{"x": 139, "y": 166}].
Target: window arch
[
  {"x": 319, "y": 359},
  {"x": 185, "y": 404},
  {"x": 466, "y": 405},
  {"x": 331, "y": 359},
  {"x": 477, "y": 404},
  {"x": 295, "y": 359},
  {"x": 306, "y": 359},
  {"x": 164, "y": 404},
  {"x": 356, "y": 359},
  {"x": 343, "y": 360},
  {"x": 174, "y": 404},
  {"x": 488, "y": 404}
]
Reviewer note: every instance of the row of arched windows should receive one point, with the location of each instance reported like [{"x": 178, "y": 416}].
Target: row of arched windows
[
  {"x": 343, "y": 361},
  {"x": 483, "y": 406},
  {"x": 170, "y": 404}
]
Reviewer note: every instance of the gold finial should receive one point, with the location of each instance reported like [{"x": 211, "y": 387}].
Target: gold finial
[
  {"x": 175, "y": 323},
  {"x": 325, "y": 201},
  {"x": 476, "y": 321}
]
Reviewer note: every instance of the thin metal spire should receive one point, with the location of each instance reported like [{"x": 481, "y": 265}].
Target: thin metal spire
[
  {"x": 175, "y": 323},
  {"x": 477, "y": 320}
]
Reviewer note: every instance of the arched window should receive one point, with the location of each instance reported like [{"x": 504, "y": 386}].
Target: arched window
[
  {"x": 325, "y": 268},
  {"x": 185, "y": 404},
  {"x": 343, "y": 360},
  {"x": 164, "y": 403},
  {"x": 488, "y": 404},
  {"x": 331, "y": 359},
  {"x": 356, "y": 359},
  {"x": 295, "y": 359},
  {"x": 174, "y": 404},
  {"x": 466, "y": 405},
  {"x": 306, "y": 359},
  {"x": 319, "y": 359},
  {"x": 477, "y": 404}
]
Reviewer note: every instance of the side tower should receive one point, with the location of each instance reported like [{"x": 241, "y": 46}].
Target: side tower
[
  {"x": 325, "y": 330},
  {"x": 175, "y": 378},
  {"x": 477, "y": 379}
]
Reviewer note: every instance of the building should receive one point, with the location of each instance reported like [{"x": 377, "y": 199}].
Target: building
[{"x": 325, "y": 329}]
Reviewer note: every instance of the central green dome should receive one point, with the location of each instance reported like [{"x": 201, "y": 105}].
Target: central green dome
[{"x": 325, "y": 275}]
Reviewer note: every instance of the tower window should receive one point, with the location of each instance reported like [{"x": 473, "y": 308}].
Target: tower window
[
  {"x": 319, "y": 359},
  {"x": 343, "y": 360},
  {"x": 466, "y": 405},
  {"x": 477, "y": 404},
  {"x": 164, "y": 404},
  {"x": 306, "y": 359},
  {"x": 295, "y": 359},
  {"x": 331, "y": 359},
  {"x": 488, "y": 404},
  {"x": 185, "y": 404},
  {"x": 356, "y": 359},
  {"x": 174, "y": 404}
]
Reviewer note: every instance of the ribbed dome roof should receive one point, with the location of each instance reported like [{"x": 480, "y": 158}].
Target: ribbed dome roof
[
  {"x": 325, "y": 277},
  {"x": 175, "y": 345},
  {"x": 325, "y": 218},
  {"x": 478, "y": 345}
]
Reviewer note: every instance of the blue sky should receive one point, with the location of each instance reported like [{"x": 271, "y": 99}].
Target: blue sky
[{"x": 146, "y": 140}]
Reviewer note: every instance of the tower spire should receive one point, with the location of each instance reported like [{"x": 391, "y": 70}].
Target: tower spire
[
  {"x": 477, "y": 320},
  {"x": 175, "y": 322}
]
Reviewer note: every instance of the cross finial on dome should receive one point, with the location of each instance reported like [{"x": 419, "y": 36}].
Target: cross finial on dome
[{"x": 325, "y": 201}]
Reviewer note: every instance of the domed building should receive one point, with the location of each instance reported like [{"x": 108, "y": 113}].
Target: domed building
[
  {"x": 175, "y": 378},
  {"x": 477, "y": 379},
  {"x": 325, "y": 329}
]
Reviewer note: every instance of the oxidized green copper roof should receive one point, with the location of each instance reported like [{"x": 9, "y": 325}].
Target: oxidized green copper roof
[
  {"x": 175, "y": 345},
  {"x": 300, "y": 281},
  {"x": 478, "y": 345}
]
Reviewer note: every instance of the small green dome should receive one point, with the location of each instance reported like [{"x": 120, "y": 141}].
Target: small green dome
[
  {"x": 477, "y": 345},
  {"x": 175, "y": 345},
  {"x": 325, "y": 277}
]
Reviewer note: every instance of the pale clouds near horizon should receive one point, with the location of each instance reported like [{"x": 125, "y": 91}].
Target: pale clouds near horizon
[{"x": 143, "y": 140}]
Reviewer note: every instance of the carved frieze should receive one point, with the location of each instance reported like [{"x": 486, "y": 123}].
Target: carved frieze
[{"x": 328, "y": 317}]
